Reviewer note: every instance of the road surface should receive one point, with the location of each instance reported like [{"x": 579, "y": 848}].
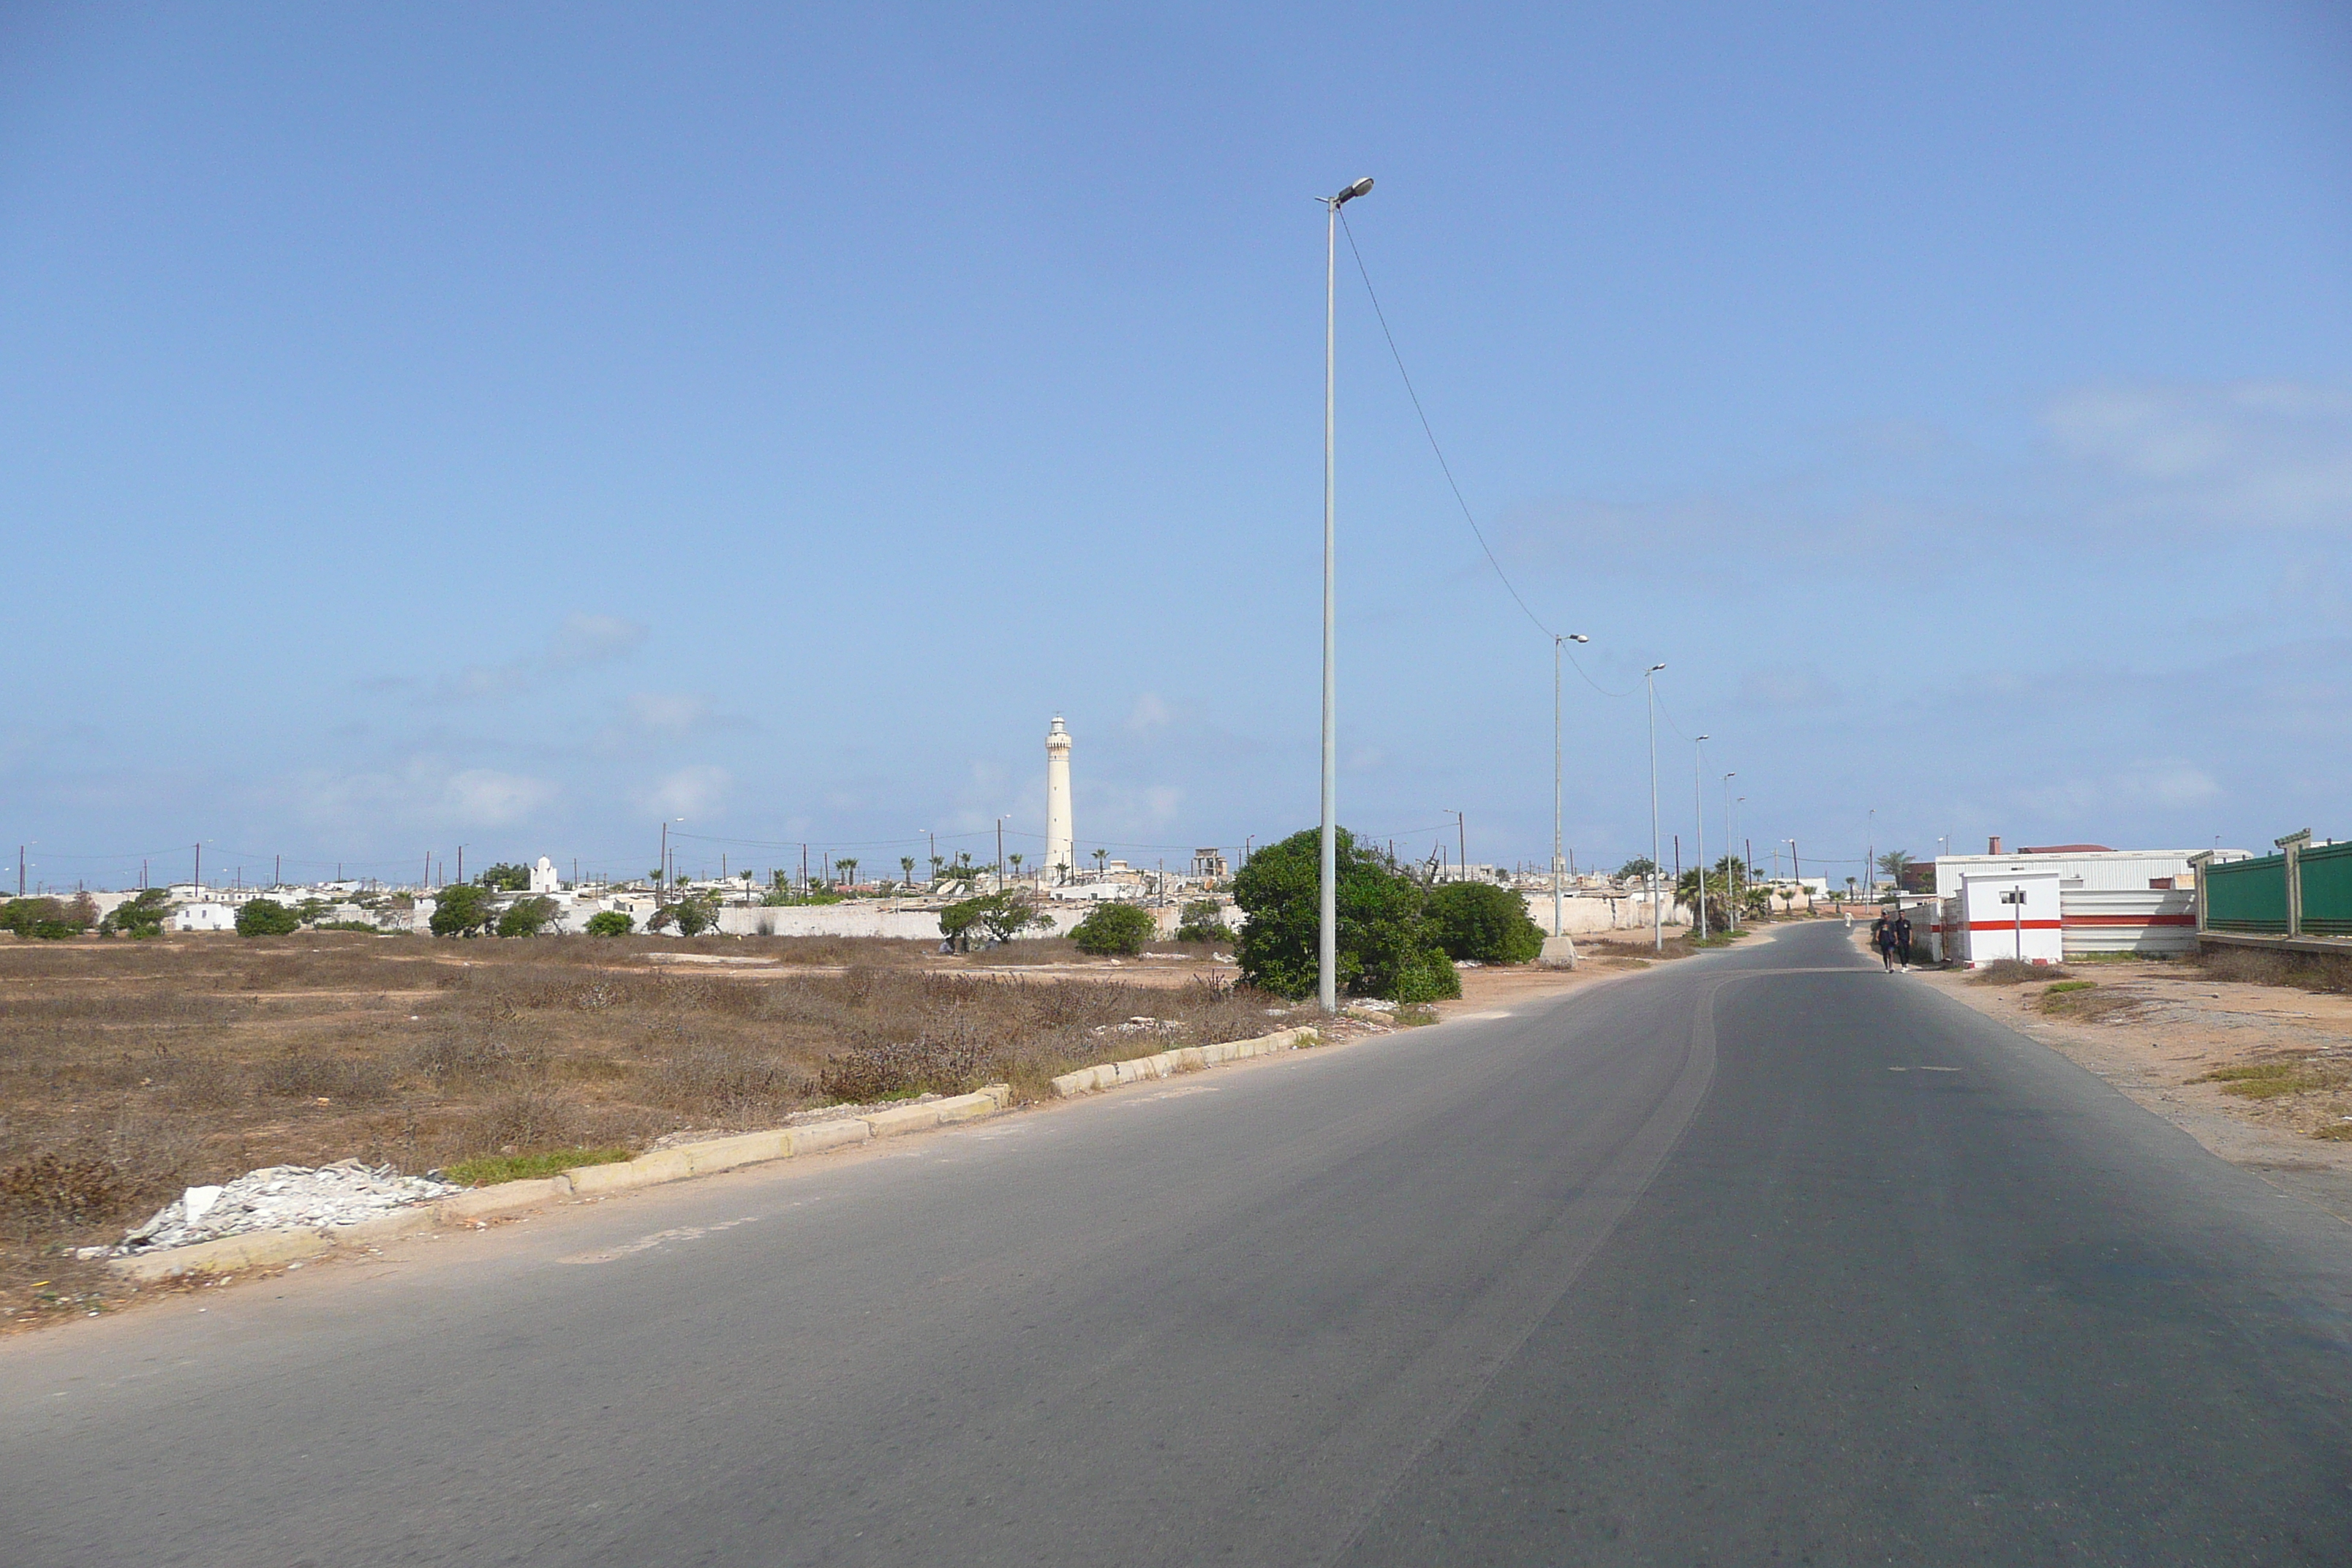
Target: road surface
[{"x": 1763, "y": 1257}]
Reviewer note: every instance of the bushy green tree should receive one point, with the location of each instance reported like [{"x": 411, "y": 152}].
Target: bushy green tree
[
  {"x": 1480, "y": 921},
  {"x": 527, "y": 917},
  {"x": 1386, "y": 947},
  {"x": 999, "y": 917},
  {"x": 610, "y": 923},
  {"x": 267, "y": 916},
  {"x": 46, "y": 919},
  {"x": 1115, "y": 928},
  {"x": 1637, "y": 870},
  {"x": 506, "y": 877},
  {"x": 462, "y": 908},
  {"x": 1205, "y": 920},
  {"x": 139, "y": 917}
]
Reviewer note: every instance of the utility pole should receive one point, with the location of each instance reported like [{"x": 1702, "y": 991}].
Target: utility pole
[
  {"x": 1797, "y": 873},
  {"x": 1698, "y": 793},
  {"x": 461, "y": 862},
  {"x": 1657, "y": 916},
  {"x": 1326, "y": 934},
  {"x": 20, "y": 871},
  {"x": 1730, "y": 888},
  {"x": 805, "y": 881},
  {"x": 200, "y": 868},
  {"x": 1462, "y": 843},
  {"x": 277, "y": 871},
  {"x": 1000, "y": 854}
]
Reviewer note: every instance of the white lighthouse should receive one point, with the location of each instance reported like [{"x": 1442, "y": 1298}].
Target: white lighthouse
[{"x": 1061, "y": 847}]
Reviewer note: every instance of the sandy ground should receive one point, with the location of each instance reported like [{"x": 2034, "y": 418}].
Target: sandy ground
[{"x": 2169, "y": 1025}]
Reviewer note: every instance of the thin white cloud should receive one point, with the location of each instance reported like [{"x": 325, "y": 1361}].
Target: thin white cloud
[
  {"x": 1149, "y": 713},
  {"x": 427, "y": 792},
  {"x": 689, "y": 792},
  {"x": 2275, "y": 454},
  {"x": 580, "y": 641}
]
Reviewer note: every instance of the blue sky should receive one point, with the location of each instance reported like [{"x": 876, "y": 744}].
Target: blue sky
[{"x": 510, "y": 427}]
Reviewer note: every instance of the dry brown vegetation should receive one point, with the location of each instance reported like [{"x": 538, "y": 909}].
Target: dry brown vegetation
[
  {"x": 130, "y": 1070},
  {"x": 2319, "y": 972}
]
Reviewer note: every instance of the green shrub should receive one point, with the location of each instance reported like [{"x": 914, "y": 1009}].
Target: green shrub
[
  {"x": 267, "y": 916},
  {"x": 527, "y": 917},
  {"x": 1386, "y": 946},
  {"x": 140, "y": 917},
  {"x": 1205, "y": 920},
  {"x": 610, "y": 923},
  {"x": 50, "y": 919},
  {"x": 1115, "y": 928},
  {"x": 1480, "y": 921},
  {"x": 506, "y": 877},
  {"x": 461, "y": 909},
  {"x": 999, "y": 917}
]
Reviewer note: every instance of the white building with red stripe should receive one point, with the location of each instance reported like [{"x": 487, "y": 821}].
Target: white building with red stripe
[{"x": 2076, "y": 898}]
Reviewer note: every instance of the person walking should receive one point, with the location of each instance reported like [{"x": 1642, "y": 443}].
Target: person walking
[
  {"x": 1882, "y": 937},
  {"x": 1902, "y": 937}
]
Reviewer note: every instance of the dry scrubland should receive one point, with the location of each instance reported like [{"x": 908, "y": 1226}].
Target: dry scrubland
[
  {"x": 2264, "y": 1036},
  {"x": 130, "y": 1070}
]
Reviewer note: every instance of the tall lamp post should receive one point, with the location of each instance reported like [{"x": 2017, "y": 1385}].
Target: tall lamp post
[
  {"x": 1657, "y": 917},
  {"x": 1698, "y": 793},
  {"x": 1327, "y": 937},
  {"x": 1556, "y": 928},
  {"x": 1730, "y": 837}
]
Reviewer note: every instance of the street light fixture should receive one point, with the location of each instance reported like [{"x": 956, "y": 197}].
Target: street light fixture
[
  {"x": 1327, "y": 939},
  {"x": 1657, "y": 917},
  {"x": 1557, "y": 929},
  {"x": 1698, "y": 792}
]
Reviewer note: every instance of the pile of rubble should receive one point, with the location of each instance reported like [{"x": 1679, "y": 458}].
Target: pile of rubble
[{"x": 283, "y": 1198}]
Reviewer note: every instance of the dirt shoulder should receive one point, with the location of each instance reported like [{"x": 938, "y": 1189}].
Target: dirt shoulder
[{"x": 2161, "y": 1031}]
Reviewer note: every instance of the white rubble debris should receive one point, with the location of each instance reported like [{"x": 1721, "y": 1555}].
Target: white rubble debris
[{"x": 283, "y": 1198}]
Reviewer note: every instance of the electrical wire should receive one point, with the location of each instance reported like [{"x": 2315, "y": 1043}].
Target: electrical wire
[{"x": 1444, "y": 467}]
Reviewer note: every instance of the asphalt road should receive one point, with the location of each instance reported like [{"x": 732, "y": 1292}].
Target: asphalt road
[{"x": 1763, "y": 1256}]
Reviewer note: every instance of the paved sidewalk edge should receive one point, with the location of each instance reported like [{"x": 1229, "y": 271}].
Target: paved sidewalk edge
[{"x": 261, "y": 1250}]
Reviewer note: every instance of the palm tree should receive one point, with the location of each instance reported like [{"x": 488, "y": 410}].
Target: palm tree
[
  {"x": 848, "y": 867},
  {"x": 906, "y": 866},
  {"x": 1015, "y": 859},
  {"x": 1100, "y": 855},
  {"x": 1895, "y": 862}
]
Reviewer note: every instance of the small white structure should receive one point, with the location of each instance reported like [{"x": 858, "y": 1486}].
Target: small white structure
[
  {"x": 2000, "y": 914},
  {"x": 206, "y": 916},
  {"x": 1061, "y": 843},
  {"x": 544, "y": 879}
]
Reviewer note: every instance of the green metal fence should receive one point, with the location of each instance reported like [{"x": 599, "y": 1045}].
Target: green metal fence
[
  {"x": 2247, "y": 895},
  {"x": 2326, "y": 873},
  {"x": 2260, "y": 896}
]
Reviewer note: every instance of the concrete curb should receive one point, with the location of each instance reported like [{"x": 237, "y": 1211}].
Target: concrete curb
[
  {"x": 1167, "y": 1063},
  {"x": 261, "y": 1250}
]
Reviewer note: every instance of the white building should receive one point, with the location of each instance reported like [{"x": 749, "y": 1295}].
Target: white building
[{"x": 2109, "y": 901}]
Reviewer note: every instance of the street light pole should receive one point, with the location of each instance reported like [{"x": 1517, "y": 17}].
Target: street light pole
[
  {"x": 1657, "y": 917},
  {"x": 1698, "y": 792},
  {"x": 1556, "y": 928},
  {"x": 1327, "y": 937},
  {"x": 1730, "y": 837}
]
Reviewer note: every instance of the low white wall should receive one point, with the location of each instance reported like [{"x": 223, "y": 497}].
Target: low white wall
[
  {"x": 1589, "y": 914},
  {"x": 856, "y": 920}
]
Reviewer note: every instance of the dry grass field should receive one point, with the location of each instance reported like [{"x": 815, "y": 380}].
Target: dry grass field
[{"x": 130, "y": 1070}]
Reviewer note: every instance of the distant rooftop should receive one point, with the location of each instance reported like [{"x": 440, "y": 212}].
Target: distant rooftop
[{"x": 2066, "y": 849}]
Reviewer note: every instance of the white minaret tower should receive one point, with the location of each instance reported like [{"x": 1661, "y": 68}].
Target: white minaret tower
[{"x": 1061, "y": 848}]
